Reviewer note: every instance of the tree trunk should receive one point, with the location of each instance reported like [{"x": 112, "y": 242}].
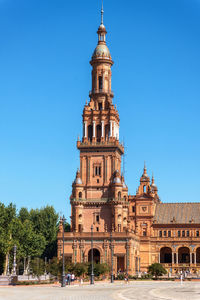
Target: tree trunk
[{"x": 6, "y": 265}]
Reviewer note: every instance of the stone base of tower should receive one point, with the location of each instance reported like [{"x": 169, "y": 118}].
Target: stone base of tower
[{"x": 77, "y": 249}]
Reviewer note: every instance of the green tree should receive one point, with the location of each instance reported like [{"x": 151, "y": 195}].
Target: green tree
[
  {"x": 80, "y": 269},
  {"x": 156, "y": 270},
  {"x": 37, "y": 267},
  {"x": 45, "y": 222},
  {"x": 99, "y": 269},
  {"x": 24, "y": 214},
  {"x": 7, "y": 215},
  {"x": 54, "y": 267}
]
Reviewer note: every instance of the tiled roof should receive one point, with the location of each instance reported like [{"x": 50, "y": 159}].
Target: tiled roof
[{"x": 177, "y": 213}]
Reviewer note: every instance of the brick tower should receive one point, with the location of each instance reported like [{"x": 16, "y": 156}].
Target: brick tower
[{"x": 99, "y": 194}]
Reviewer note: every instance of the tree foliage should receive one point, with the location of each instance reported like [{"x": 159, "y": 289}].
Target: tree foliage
[
  {"x": 37, "y": 267},
  {"x": 34, "y": 233},
  {"x": 156, "y": 270}
]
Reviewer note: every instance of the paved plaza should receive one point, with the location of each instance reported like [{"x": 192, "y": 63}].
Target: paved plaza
[{"x": 144, "y": 290}]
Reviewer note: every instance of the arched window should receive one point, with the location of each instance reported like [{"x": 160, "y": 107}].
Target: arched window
[
  {"x": 98, "y": 133},
  {"x": 80, "y": 195},
  {"x": 119, "y": 195},
  {"x": 166, "y": 255},
  {"x": 107, "y": 132},
  {"x": 90, "y": 131},
  {"x": 100, "y": 83},
  {"x": 144, "y": 189},
  {"x": 183, "y": 255}
]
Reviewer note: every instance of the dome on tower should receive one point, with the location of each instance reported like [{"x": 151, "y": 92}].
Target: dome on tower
[
  {"x": 153, "y": 186},
  {"x": 144, "y": 176},
  {"x": 78, "y": 178},
  {"x": 101, "y": 51},
  {"x": 116, "y": 177}
]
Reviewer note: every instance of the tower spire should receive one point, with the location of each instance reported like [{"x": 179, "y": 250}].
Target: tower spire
[{"x": 102, "y": 13}]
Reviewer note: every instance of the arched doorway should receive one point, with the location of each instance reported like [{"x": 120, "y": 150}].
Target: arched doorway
[
  {"x": 183, "y": 255},
  {"x": 198, "y": 255},
  {"x": 96, "y": 256},
  {"x": 166, "y": 255}
]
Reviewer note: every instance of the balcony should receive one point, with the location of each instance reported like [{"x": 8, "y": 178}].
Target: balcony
[
  {"x": 102, "y": 144},
  {"x": 101, "y": 92}
]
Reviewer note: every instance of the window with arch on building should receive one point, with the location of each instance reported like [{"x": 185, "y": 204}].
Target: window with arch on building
[
  {"x": 90, "y": 132},
  {"x": 98, "y": 131},
  {"x": 144, "y": 189},
  {"x": 80, "y": 195},
  {"x": 100, "y": 83},
  {"x": 144, "y": 232},
  {"x": 97, "y": 170},
  {"x": 107, "y": 131},
  {"x": 119, "y": 195}
]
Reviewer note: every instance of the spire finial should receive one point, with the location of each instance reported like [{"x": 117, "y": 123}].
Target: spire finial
[
  {"x": 102, "y": 13},
  {"x": 152, "y": 181},
  {"x": 145, "y": 169}
]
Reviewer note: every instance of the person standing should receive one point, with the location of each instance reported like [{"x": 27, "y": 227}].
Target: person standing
[
  {"x": 68, "y": 279},
  {"x": 72, "y": 278}
]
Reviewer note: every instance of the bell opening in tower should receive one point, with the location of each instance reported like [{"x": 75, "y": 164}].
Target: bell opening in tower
[{"x": 100, "y": 83}]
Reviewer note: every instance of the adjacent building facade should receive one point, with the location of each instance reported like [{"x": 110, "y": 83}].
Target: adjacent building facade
[{"x": 139, "y": 230}]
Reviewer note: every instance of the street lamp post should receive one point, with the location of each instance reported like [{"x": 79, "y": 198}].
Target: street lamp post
[
  {"x": 127, "y": 258},
  {"x": 14, "y": 260},
  {"x": 111, "y": 249},
  {"x": 63, "y": 284},
  {"x": 92, "y": 270}
]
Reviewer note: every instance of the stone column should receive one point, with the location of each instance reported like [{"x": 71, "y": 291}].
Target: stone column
[
  {"x": 177, "y": 258},
  {"x": 85, "y": 129},
  {"x": 116, "y": 219},
  {"x": 76, "y": 218},
  {"x": 127, "y": 256},
  {"x": 195, "y": 258},
  {"x": 111, "y": 129},
  {"x": 139, "y": 264},
  {"x": 94, "y": 129},
  {"x": 102, "y": 129},
  {"x": 190, "y": 257},
  {"x": 159, "y": 257},
  {"x": 81, "y": 251},
  {"x": 136, "y": 265},
  {"x": 172, "y": 258},
  {"x": 74, "y": 247}
]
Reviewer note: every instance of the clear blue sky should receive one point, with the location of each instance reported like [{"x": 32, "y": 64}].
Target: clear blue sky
[{"x": 45, "y": 78}]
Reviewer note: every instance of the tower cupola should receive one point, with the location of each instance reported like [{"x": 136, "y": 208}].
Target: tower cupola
[{"x": 101, "y": 51}]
